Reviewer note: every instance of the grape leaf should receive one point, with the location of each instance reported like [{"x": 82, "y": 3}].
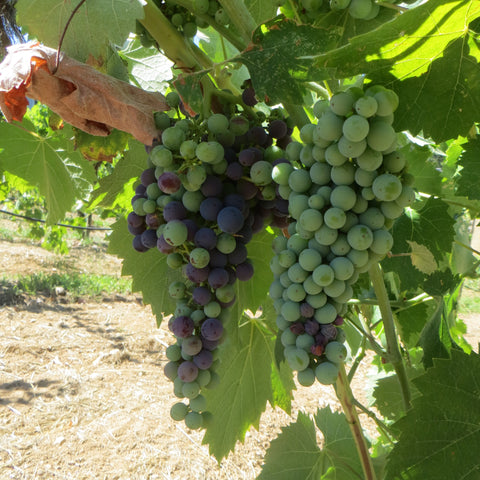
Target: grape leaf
[
  {"x": 273, "y": 60},
  {"x": 412, "y": 320},
  {"x": 422, "y": 258},
  {"x": 262, "y": 10},
  {"x": 468, "y": 182},
  {"x": 246, "y": 363},
  {"x": 95, "y": 25},
  {"x": 441, "y": 282},
  {"x": 130, "y": 166},
  {"x": 149, "y": 270},
  {"x": 101, "y": 149},
  {"x": 294, "y": 453},
  {"x": 148, "y": 68},
  {"x": 440, "y": 435},
  {"x": 62, "y": 175}
]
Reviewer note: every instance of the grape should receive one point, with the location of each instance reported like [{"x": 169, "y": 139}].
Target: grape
[
  {"x": 170, "y": 370},
  {"x": 382, "y": 242},
  {"x": 295, "y": 292},
  {"x": 175, "y": 233},
  {"x": 320, "y": 173},
  {"x": 311, "y": 288},
  {"x": 244, "y": 271},
  {"x": 198, "y": 404},
  {"x": 212, "y": 329},
  {"x": 370, "y": 160},
  {"x": 203, "y": 360},
  {"x": 290, "y": 311},
  {"x": 387, "y": 187},
  {"x": 199, "y": 257},
  {"x": 365, "y": 178},
  {"x": 169, "y": 182},
  {"x": 182, "y": 326},
  {"x": 360, "y": 237},
  {"x": 334, "y": 218},
  {"x": 343, "y": 197},
  {"x": 173, "y": 353},
  {"x": 373, "y": 218},
  {"x": 309, "y": 259},
  {"x": 149, "y": 238},
  {"x": 326, "y": 235},
  {"x": 355, "y": 128},
  {"x": 201, "y": 295},
  {"x": 381, "y": 135},
  {"x": 191, "y": 345},
  {"x": 306, "y": 377},
  {"x": 387, "y": 101},
  {"x": 335, "y": 352},
  {"x": 210, "y": 152},
  {"x": 394, "y": 162},
  {"x": 196, "y": 275},
  {"x": 261, "y": 172},
  {"x": 343, "y": 174},
  {"x": 288, "y": 338},
  {"x": 341, "y": 103},
  {"x": 297, "y": 274},
  {"x": 366, "y": 106},
  {"x": 359, "y": 258},
  {"x": 218, "y": 123},
  {"x": 277, "y": 129},
  {"x": 212, "y": 309},
  {"x": 162, "y": 121},
  {"x": 177, "y": 290},
  {"x": 316, "y": 201},
  {"x": 230, "y": 220},
  {"x": 310, "y": 220},
  {"x": 391, "y": 210},
  {"x": 297, "y": 358},
  {"x": 323, "y": 275},
  {"x": 248, "y": 97},
  {"x": 187, "y": 371},
  {"x": 205, "y": 237},
  {"x": 326, "y": 314},
  {"x": 330, "y": 126},
  {"x": 196, "y": 175},
  {"x": 161, "y": 156},
  {"x": 225, "y": 294},
  {"x": 329, "y": 331},
  {"x": 174, "y": 210},
  {"x": 178, "y": 411},
  {"x": 336, "y": 288},
  {"x": 172, "y": 138},
  {"x": 299, "y": 181},
  {"x": 326, "y": 373},
  {"x": 333, "y": 156},
  {"x": 239, "y": 255},
  {"x": 226, "y": 243},
  {"x": 340, "y": 246},
  {"x": 210, "y": 208},
  {"x": 342, "y": 267},
  {"x": 406, "y": 198},
  {"x": 217, "y": 278}
]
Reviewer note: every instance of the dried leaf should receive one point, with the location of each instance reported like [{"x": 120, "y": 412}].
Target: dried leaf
[
  {"x": 87, "y": 99},
  {"x": 422, "y": 258}
]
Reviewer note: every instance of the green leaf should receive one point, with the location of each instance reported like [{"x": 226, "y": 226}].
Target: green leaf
[
  {"x": 294, "y": 453},
  {"x": 440, "y": 435},
  {"x": 273, "y": 60},
  {"x": 468, "y": 182},
  {"x": 148, "y": 69},
  {"x": 412, "y": 320},
  {"x": 262, "y": 10},
  {"x": 246, "y": 363},
  {"x": 189, "y": 88},
  {"x": 62, "y": 175},
  {"x": 129, "y": 167},
  {"x": 429, "y": 57},
  {"x": 149, "y": 270},
  {"x": 95, "y": 24}
]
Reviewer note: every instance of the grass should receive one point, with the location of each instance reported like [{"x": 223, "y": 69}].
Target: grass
[
  {"x": 470, "y": 299},
  {"x": 75, "y": 284}
]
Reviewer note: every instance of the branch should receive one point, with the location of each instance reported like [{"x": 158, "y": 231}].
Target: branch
[{"x": 240, "y": 17}]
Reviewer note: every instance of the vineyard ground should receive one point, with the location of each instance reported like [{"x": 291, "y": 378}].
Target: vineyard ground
[{"x": 82, "y": 392}]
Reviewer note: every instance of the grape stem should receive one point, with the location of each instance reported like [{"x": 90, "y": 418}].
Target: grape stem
[
  {"x": 240, "y": 17},
  {"x": 393, "y": 351},
  {"x": 345, "y": 396},
  {"x": 381, "y": 425}
]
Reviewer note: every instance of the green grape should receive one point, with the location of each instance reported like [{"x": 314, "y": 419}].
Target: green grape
[
  {"x": 275, "y": 267},
  {"x": 306, "y": 156},
  {"x": 239, "y": 125},
  {"x": 138, "y": 206},
  {"x": 292, "y": 151},
  {"x": 406, "y": 198},
  {"x": 387, "y": 101},
  {"x": 304, "y": 341},
  {"x": 360, "y": 237},
  {"x": 174, "y": 260},
  {"x": 198, "y": 404},
  {"x": 197, "y": 316},
  {"x": 199, "y": 257},
  {"x": 334, "y": 218},
  {"x": 269, "y": 192},
  {"x": 297, "y": 274},
  {"x": 162, "y": 120},
  {"x": 212, "y": 309},
  {"x": 226, "y": 243},
  {"x": 351, "y": 149},
  {"x": 323, "y": 275},
  {"x": 320, "y": 173},
  {"x": 299, "y": 181},
  {"x": 336, "y": 288},
  {"x": 355, "y": 128},
  {"x": 177, "y": 289},
  {"x": 330, "y": 126},
  {"x": 204, "y": 377},
  {"x": 192, "y": 200},
  {"x": 221, "y": 17},
  {"x": 161, "y": 156},
  {"x": 306, "y": 377},
  {"x": 175, "y": 232},
  {"x": 190, "y": 29},
  {"x": 365, "y": 178},
  {"x": 326, "y": 373},
  {"x": 309, "y": 259},
  {"x": 310, "y": 220},
  {"x": 297, "y": 243},
  {"x": 373, "y": 218},
  {"x": 387, "y": 187},
  {"x": 342, "y": 267},
  {"x": 394, "y": 162},
  {"x": 341, "y": 246},
  {"x": 276, "y": 289},
  {"x": 381, "y": 136},
  {"x": 187, "y": 149},
  {"x": 336, "y": 352},
  {"x": 210, "y": 152},
  {"x": 172, "y": 99},
  {"x": 196, "y": 174},
  {"x": 333, "y": 156},
  {"x": 343, "y": 175},
  {"x": 200, "y": 7},
  {"x": 149, "y": 206},
  {"x": 370, "y": 159},
  {"x": 290, "y": 311},
  {"x": 193, "y": 420},
  {"x": 306, "y": 133},
  {"x": 218, "y": 123},
  {"x": 351, "y": 220},
  {"x": 297, "y": 204},
  {"x": 323, "y": 250},
  {"x": 346, "y": 295},
  {"x": 153, "y": 191},
  {"x": 366, "y": 106},
  {"x": 326, "y": 235},
  {"x": 382, "y": 242},
  {"x": 279, "y": 243},
  {"x": 325, "y": 191},
  {"x": 316, "y": 201},
  {"x": 360, "y": 9},
  {"x": 373, "y": 12},
  {"x": 295, "y": 292},
  {"x": 281, "y": 323},
  {"x": 320, "y": 107},
  {"x": 391, "y": 210},
  {"x": 287, "y": 258},
  {"x": 361, "y": 205},
  {"x": 173, "y": 353},
  {"x": 184, "y": 124},
  {"x": 281, "y": 173},
  {"x": 359, "y": 258},
  {"x": 343, "y": 197},
  {"x": 341, "y": 103},
  {"x": 285, "y": 279},
  {"x": 297, "y": 358},
  {"x": 178, "y": 411},
  {"x": 310, "y": 287},
  {"x": 261, "y": 172},
  {"x": 190, "y": 389},
  {"x": 318, "y": 300},
  {"x": 226, "y": 293},
  {"x": 172, "y": 138}
]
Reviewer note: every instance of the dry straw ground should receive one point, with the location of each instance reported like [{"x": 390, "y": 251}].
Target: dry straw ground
[{"x": 82, "y": 393}]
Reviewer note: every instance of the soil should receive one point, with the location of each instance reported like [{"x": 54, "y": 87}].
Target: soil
[{"x": 82, "y": 390}]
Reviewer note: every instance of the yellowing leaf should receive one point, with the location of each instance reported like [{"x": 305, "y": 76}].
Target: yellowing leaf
[{"x": 422, "y": 258}]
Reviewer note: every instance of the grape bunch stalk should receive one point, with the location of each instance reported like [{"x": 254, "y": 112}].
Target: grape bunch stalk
[
  {"x": 206, "y": 191},
  {"x": 345, "y": 184}
]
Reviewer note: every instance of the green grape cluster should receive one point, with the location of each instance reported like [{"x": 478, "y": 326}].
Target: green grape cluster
[
  {"x": 206, "y": 191},
  {"x": 346, "y": 183}
]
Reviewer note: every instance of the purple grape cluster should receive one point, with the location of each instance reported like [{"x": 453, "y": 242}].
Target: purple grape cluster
[{"x": 207, "y": 190}]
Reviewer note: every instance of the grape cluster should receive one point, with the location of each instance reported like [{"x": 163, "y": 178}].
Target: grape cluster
[
  {"x": 345, "y": 184},
  {"x": 309, "y": 10},
  {"x": 207, "y": 190}
]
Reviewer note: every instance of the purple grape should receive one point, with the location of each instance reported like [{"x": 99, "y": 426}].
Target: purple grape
[
  {"x": 192, "y": 228},
  {"x": 248, "y": 97},
  {"x": 163, "y": 246},
  {"x": 137, "y": 230},
  {"x": 234, "y": 200},
  {"x": 210, "y": 208},
  {"x": 312, "y": 327},
  {"x": 245, "y": 271},
  {"x": 258, "y": 136},
  {"x": 246, "y": 189},
  {"x": 234, "y": 171},
  {"x": 187, "y": 371},
  {"x": 245, "y": 234},
  {"x": 317, "y": 349},
  {"x": 329, "y": 331},
  {"x": 279, "y": 221},
  {"x": 249, "y": 156},
  {"x": 281, "y": 206},
  {"x": 201, "y": 295},
  {"x": 141, "y": 190},
  {"x": 228, "y": 304},
  {"x": 169, "y": 182},
  {"x": 230, "y": 155},
  {"x": 320, "y": 339},
  {"x": 205, "y": 238},
  {"x": 138, "y": 244},
  {"x": 153, "y": 220},
  {"x": 229, "y": 220},
  {"x": 149, "y": 238},
  {"x": 174, "y": 210},
  {"x": 307, "y": 311},
  {"x": 212, "y": 329},
  {"x": 182, "y": 326},
  {"x": 297, "y": 328},
  {"x": 203, "y": 360},
  {"x": 239, "y": 255},
  {"x": 212, "y": 186},
  {"x": 217, "y": 278},
  {"x": 147, "y": 177},
  {"x": 277, "y": 129},
  {"x": 218, "y": 259},
  {"x": 135, "y": 220},
  {"x": 338, "y": 321},
  {"x": 283, "y": 142},
  {"x": 232, "y": 275},
  {"x": 258, "y": 224},
  {"x": 196, "y": 275},
  {"x": 209, "y": 344}
]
